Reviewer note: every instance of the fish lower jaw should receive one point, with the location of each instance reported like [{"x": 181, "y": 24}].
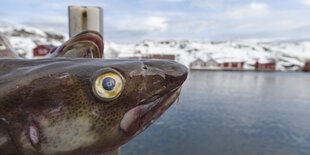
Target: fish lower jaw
[{"x": 139, "y": 118}]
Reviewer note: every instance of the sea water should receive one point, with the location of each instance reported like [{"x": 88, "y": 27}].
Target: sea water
[{"x": 229, "y": 113}]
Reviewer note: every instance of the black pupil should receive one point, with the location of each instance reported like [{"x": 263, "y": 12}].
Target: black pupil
[{"x": 108, "y": 83}]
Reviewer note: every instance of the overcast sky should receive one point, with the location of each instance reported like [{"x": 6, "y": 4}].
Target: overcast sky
[{"x": 135, "y": 20}]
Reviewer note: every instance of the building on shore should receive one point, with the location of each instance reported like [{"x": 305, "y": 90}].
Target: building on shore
[
  {"x": 212, "y": 64},
  {"x": 199, "y": 64},
  {"x": 42, "y": 50},
  {"x": 268, "y": 66},
  {"x": 307, "y": 67},
  {"x": 231, "y": 65}
]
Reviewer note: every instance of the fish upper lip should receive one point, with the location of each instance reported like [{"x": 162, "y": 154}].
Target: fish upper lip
[
  {"x": 153, "y": 101},
  {"x": 157, "y": 96},
  {"x": 141, "y": 116}
]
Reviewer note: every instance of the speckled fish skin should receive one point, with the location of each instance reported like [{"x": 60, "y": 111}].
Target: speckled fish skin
[{"x": 48, "y": 107}]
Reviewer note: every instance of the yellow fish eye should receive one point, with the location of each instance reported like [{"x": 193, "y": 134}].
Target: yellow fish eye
[{"x": 108, "y": 85}]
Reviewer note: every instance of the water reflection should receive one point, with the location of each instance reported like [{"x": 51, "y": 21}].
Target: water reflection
[{"x": 233, "y": 113}]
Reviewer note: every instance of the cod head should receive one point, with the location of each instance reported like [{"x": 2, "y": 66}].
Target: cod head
[{"x": 83, "y": 106}]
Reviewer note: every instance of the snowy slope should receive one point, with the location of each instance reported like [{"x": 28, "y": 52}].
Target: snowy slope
[
  {"x": 24, "y": 39},
  {"x": 289, "y": 56}
]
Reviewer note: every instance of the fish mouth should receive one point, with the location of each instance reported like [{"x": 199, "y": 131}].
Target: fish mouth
[{"x": 142, "y": 116}]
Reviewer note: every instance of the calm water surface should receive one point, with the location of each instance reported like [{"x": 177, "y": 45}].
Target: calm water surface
[{"x": 233, "y": 113}]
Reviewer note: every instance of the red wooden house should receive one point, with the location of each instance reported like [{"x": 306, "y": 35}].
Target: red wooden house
[
  {"x": 307, "y": 67},
  {"x": 41, "y": 50},
  {"x": 231, "y": 65},
  {"x": 271, "y": 66}
]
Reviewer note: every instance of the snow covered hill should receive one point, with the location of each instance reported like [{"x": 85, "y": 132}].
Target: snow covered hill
[
  {"x": 24, "y": 39},
  {"x": 289, "y": 56}
]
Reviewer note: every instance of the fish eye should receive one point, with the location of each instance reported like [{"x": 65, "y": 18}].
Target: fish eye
[{"x": 108, "y": 85}]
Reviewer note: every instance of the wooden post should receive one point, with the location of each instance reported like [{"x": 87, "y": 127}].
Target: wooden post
[{"x": 85, "y": 18}]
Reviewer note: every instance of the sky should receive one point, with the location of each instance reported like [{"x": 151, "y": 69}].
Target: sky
[{"x": 130, "y": 21}]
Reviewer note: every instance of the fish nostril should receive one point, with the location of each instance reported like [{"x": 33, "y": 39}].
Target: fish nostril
[{"x": 144, "y": 67}]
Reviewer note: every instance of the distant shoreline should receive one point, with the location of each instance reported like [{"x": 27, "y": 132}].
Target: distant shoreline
[{"x": 244, "y": 70}]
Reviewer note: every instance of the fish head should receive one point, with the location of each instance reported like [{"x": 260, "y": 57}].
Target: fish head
[{"x": 90, "y": 106}]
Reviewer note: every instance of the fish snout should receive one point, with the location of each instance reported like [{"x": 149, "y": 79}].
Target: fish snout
[{"x": 171, "y": 71}]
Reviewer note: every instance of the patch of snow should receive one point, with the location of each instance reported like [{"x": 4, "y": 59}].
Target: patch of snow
[
  {"x": 23, "y": 44},
  {"x": 33, "y": 30},
  {"x": 25, "y": 39},
  {"x": 288, "y": 56}
]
